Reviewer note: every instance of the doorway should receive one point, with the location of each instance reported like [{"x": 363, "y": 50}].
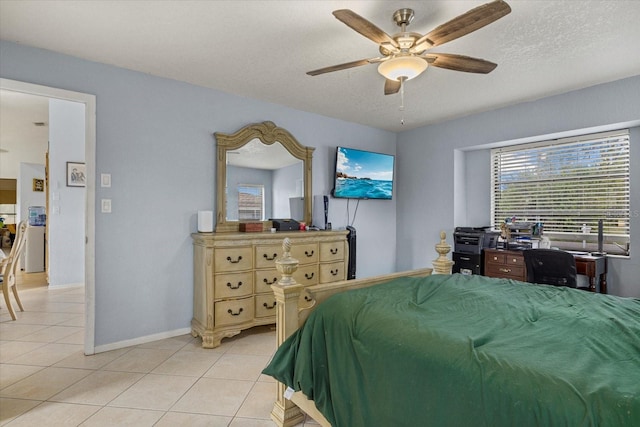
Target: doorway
[{"x": 89, "y": 102}]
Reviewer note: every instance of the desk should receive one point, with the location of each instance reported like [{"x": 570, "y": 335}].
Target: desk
[
  {"x": 594, "y": 267},
  {"x": 510, "y": 264}
]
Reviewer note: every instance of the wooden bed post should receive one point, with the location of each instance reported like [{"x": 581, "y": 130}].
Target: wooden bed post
[
  {"x": 287, "y": 291},
  {"x": 442, "y": 265}
]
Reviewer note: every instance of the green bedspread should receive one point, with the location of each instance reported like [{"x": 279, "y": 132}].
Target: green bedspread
[{"x": 468, "y": 351}]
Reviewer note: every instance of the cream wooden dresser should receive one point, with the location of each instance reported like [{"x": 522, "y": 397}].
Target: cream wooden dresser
[{"x": 233, "y": 274}]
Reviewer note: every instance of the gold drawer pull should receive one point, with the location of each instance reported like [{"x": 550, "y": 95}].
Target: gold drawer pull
[
  {"x": 308, "y": 254},
  {"x": 236, "y": 261},
  {"x": 514, "y": 260},
  {"x": 333, "y": 251},
  {"x": 309, "y": 277},
  {"x": 505, "y": 270},
  {"x": 495, "y": 258},
  {"x": 230, "y": 286},
  {"x": 268, "y": 258},
  {"x": 335, "y": 272},
  {"x": 240, "y": 310},
  {"x": 269, "y": 307},
  {"x": 265, "y": 280}
]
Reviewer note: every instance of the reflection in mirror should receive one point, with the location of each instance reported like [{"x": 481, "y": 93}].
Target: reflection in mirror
[
  {"x": 261, "y": 182},
  {"x": 263, "y": 172}
]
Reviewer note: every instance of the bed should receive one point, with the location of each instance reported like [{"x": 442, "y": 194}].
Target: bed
[{"x": 421, "y": 349}]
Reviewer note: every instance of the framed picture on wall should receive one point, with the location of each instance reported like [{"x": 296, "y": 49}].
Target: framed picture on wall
[
  {"x": 76, "y": 174},
  {"x": 38, "y": 184}
]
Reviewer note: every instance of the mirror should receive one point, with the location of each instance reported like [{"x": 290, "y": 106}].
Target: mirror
[
  {"x": 261, "y": 181},
  {"x": 267, "y": 162}
]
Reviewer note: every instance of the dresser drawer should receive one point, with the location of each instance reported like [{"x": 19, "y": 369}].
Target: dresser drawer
[
  {"x": 504, "y": 258},
  {"x": 264, "y": 280},
  {"x": 514, "y": 260},
  {"x": 266, "y": 256},
  {"x": 333, "y": 272},
  {"x": 265, "y": 305},
  {"x": 305, "y": 254},
  {"x": 306, "y": 275},
  {"x": 234, "y": 311},
  {"x": 233, "y": 259},
  {"x": 233, "y": 285},
  {"x": 332, "y": 251},
  {"x": 507, "y": 271},
  {"x": 494, "y": 258}
]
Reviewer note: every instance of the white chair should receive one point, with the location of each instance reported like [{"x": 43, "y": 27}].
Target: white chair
[{"x": 8, "y": 268}]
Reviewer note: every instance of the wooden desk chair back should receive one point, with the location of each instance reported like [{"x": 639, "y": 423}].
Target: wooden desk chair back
[{"x": 8, "y": 267}]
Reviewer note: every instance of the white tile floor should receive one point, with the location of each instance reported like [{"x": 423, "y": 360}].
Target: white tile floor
[{"x": 45, "y": 379}]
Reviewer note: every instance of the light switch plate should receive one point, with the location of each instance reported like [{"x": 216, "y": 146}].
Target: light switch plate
[
  {"x": 106, "y": 205},
  {"x": 105, "y": 180}
]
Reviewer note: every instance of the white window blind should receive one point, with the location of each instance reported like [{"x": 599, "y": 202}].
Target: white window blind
[
  {"x": 564, "y": 184},
  {"x": 250, "y": 202}
]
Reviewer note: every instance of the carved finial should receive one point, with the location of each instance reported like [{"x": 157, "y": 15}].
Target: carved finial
[
  {"x": 287, "y": 265},
  {"x": 442, "y": 265}
]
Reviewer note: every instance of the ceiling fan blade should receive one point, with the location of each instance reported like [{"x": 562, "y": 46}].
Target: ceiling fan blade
[
  {"x": 341, "y": 66},
  {"x": 364, "y": 27},
  {"x": 460, "y": 63},
  {"x": 391, "y": 86},
  {"x": 466, "y": 23}
]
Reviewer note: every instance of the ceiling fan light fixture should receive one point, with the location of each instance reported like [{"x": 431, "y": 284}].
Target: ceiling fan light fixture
[{"x": 406, "y": 67}]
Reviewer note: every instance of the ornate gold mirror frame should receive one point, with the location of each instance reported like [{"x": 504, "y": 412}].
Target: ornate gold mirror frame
[{"x": 268, "y": 133}]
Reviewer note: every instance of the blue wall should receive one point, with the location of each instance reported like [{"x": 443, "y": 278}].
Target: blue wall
[
  {"x": 445, "y": 183},
  {"x": 155, "y": 138}
]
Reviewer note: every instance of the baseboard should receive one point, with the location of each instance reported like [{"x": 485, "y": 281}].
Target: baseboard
[
  {"x": 142, "y": 340},
  {"x": 65, "y": 286}
]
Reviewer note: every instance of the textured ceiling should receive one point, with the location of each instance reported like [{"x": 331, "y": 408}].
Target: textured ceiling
[{"x": 262, "y": 49}]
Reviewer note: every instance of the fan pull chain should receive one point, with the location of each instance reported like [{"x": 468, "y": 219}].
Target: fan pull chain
[{"x": 402, "y": 101}]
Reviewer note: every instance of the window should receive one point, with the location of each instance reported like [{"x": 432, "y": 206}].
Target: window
[
  {"x": 565, "y": 184},
  {"x": 251, "y": 202}
]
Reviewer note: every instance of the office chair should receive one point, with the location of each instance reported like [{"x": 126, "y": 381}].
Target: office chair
[{"x": 550, "y": 267}]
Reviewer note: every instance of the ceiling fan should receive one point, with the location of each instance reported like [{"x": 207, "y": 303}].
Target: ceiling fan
[{"x": 405, "y": 54}]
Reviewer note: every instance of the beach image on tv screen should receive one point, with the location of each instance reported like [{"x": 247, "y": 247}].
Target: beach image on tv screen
[{"x": 363, "y": 174}]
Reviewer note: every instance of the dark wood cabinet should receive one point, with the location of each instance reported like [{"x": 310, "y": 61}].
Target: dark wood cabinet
[{"x": 504, "y": 264}]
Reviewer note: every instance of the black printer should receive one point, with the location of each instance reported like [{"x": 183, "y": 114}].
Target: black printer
[{"x": 472, "y": 240}]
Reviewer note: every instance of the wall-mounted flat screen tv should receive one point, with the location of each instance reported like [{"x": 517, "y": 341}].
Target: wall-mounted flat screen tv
[{"x": 363, "y": 174}]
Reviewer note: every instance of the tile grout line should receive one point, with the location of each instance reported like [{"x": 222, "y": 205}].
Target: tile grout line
[{"x": 234, "y": 346}]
